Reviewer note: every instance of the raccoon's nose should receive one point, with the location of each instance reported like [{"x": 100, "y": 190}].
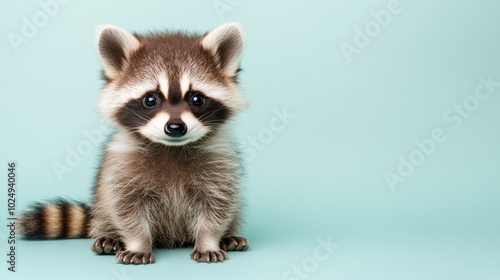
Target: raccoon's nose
[{"x": 175, "y": 128}]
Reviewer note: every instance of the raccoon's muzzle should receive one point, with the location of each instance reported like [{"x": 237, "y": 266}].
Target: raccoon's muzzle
[{"x": 55, "y": 220}]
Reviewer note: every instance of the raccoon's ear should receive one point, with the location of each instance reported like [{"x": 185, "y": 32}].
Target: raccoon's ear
[
  {"x": 115, "y": 48},
  {"x": 225, "y": 43}
]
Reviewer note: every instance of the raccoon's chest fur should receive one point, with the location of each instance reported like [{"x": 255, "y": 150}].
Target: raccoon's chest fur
[{"x": 165, "y": 184}]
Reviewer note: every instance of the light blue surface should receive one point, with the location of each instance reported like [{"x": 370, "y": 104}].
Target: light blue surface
[{"x": 320, "y": 174}]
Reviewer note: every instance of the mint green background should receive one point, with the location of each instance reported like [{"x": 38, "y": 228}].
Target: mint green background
[{"x": 323, "y": 175}]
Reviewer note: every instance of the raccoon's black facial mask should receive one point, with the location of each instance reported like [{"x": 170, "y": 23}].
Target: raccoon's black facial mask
[{"x": 156, "y": 118}]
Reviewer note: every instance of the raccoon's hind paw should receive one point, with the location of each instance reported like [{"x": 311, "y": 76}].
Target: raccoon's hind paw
[
  {"x": 234, "y": 243},
  {"x": 106, "y": 245},
  {"x": 129, "y": 257},
  {"x": 208, "y": 256}
]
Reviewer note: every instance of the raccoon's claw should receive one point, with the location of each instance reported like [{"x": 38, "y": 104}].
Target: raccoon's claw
[
  {"x": 129, "y": 257},
  {"x": 209, "y": 256},
  {"x": 105, "y": 245},
  {"x": 234, "y": 243}
]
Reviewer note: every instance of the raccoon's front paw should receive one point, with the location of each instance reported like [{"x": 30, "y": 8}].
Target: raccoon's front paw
[
  {"x": 234, "y": 243},
  {"x": 105, "y": 245},
  {"x": 129, "y": 257},
  {"x": 208, "y": 256}
]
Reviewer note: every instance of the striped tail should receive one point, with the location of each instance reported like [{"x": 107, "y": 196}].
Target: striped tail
[{"x": 55, "y": 220}]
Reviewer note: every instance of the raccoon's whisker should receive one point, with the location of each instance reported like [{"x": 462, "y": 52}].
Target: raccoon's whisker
[
  {"x": 211, "y": 122},
  {"x": 189, "y": 151},
  {"x": 209, "y": 115},
  {"x": 147, "y": 119}
]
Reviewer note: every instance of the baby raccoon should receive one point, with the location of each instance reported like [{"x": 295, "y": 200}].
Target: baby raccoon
[{"x": 170, "y": 174}]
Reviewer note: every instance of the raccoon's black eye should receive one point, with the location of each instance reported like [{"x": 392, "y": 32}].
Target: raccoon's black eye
[
  {"x": 197, "y": 100},
  {"x": 150, "y": 100}
]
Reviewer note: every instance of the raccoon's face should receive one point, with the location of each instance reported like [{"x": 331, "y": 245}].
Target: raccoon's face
[{"x": 171, "y": 88}]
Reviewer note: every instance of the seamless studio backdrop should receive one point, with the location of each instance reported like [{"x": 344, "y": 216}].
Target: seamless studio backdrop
[{"x": 371, "y": 142}]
